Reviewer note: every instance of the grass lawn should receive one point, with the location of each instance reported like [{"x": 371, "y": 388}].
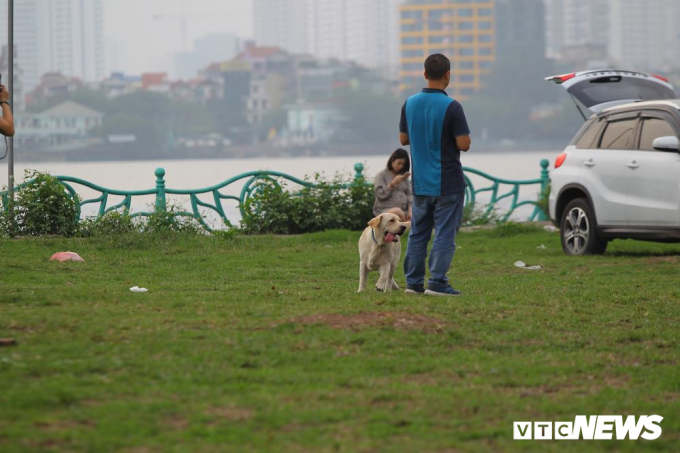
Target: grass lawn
[{"x": 262, "y": 344}]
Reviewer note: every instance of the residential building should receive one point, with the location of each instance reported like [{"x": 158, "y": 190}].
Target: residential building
[
  {"x": 118, "y": 84},
  {"x": 259, "y": 102},
  {"x": 311, "y": 123},
  {"x": 53, "y": 84},
  {"x": 156, "y": 81},
  {"x": 463, "y": 31},
  {"x": 199, "y": 90},
  {"x": 67, "y": 123},
  {"x": 237, "y": 83},
  {"x": 261, "y": 61},
  {"x": 324, "y": 80}
]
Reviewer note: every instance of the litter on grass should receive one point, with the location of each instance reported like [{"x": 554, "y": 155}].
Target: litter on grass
[
  {"x": 522, "y": 265},
  {"x": 7, "y": 342},
  {"x": 137, "y": 289},
  {"x": 550, "y": 228},
  {"x": 66, "y": 256}
]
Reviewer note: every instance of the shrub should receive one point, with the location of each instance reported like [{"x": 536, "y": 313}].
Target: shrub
[
  {"x": 227, "y": 234},
  {"x": 326, "y": 205},
  {"x": 543, "y": 202},
  {"x": 4, "y": 221},
  {"x": 170, "y": 221},
  {"x": 45, "y": 207},
  {"x": 480, "y": 216},
  {"x": 362, "y": 198},
  {"x": 116, "y": 223},
  {"x": 111, "y": 224}
]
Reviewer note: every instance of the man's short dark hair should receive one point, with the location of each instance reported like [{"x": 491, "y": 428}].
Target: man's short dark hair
[{"x": 436, "y": 66}]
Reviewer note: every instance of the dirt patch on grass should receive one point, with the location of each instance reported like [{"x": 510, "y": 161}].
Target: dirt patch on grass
[
  {"x": 439, "y": 378},
  {"x": 398, "y": 320},
  {"x": 138, "y": 450},
  {"x": 49, "y": 445},
  {"x": 673, "y": 259},
  {"x": 175, "y": 422},
  {"x": 230, "y": 413},
  {"x": 88, "y": 402},
  {"x": 583, "y": 385},
  {"x": 64, "y": 425}
]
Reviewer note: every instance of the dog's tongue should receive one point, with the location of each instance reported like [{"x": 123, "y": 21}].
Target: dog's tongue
[{"x": 389, "y": 237}]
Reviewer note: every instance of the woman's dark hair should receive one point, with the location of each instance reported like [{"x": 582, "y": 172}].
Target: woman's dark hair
[{"x": 399, "y": 154}]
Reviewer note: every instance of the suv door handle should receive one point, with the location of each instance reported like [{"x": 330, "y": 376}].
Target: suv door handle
[
  {"x": 589, "y": 163},
  {"x": 633, "y": 164}
]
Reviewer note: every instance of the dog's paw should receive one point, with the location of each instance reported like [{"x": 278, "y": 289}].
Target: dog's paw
[{"x": 383, "y": 287}]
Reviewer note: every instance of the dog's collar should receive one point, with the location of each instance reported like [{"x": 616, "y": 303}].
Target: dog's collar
[{"x": 373, "y": 234}]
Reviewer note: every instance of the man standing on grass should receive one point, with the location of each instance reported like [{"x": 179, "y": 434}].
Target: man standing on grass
[{"x": 435, "y": 127}]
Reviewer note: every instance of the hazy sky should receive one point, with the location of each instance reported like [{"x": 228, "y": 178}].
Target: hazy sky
[{"x": 142, "y": 35}]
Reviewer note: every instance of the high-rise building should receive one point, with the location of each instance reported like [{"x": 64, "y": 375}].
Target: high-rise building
[
  {"x": 365, "y": 32},
  {"x": 57, "y": 36},
  {"x": 520, "y": 52},
  {"x": 76, "y": 43},
  {"x": 27, "y": 36},
  {"x": 464, "y": 31},
  {"x": 282, "y": 23},
  {"x": 643, "y": 35},
  {"x": 18, "y": 79},
  {"x": 356, "y": 30},
  {"x": 213, "y": 48},
  {"x": 576, "y": 24}
]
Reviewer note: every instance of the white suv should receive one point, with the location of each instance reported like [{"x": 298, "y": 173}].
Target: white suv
[{"x": 620, "y": 175}]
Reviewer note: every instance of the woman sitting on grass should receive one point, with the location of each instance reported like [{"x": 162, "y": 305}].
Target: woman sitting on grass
[{"x": 392, "y": 188}]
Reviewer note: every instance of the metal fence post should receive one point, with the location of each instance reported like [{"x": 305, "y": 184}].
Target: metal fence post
[
  {"x": 359, "y": 168},
  {"x": 160, "y": 190},
  {"x": 545, "y": 183}
]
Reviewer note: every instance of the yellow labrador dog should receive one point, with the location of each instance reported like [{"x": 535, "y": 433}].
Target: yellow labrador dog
[{"x": 380, "y": 249}]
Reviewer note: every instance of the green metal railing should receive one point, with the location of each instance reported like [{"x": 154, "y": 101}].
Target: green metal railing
[
  {"x": 252, "y": 180},
  {"x": 543, "y": 181}
]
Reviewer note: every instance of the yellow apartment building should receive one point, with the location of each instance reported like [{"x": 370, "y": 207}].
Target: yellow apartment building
[{"x": 463, "y": 30}]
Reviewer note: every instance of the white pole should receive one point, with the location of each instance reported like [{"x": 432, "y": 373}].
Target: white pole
[{"x": 10, "y": 87}]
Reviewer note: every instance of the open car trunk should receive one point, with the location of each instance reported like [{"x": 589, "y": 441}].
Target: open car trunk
[{"x": 598, "y": 90}]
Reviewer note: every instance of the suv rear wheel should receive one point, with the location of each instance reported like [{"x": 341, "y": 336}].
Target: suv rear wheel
[{"x": 578, "y": 230}]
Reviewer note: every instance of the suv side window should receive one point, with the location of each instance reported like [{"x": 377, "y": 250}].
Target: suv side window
[
  {"x": 588, "y": 137},
  {"x": 653, "y": 128},
  {"x": 619, "y": 134}
]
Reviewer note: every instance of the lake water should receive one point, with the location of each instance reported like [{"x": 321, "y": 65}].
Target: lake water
[{"x": 193, "y": 174}]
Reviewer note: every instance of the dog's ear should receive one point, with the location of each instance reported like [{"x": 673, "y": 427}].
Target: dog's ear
[{"x": 373, "y": 223}]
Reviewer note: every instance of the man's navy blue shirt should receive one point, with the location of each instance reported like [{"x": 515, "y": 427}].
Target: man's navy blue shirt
[{"x": 432, "y": 121}]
